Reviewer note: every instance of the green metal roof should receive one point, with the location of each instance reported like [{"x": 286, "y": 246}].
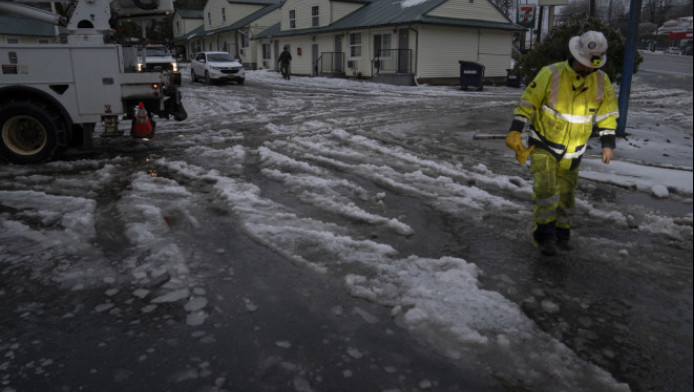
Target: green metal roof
[
  {"x": 196, "y": 32},
  {"x": 200, "y": 31},
  {"x": 255, "y": 2},
  {"x": 243, "y": 22},
  {"x": 390, "y": 13},
  {"x": 21, "y": 26}
]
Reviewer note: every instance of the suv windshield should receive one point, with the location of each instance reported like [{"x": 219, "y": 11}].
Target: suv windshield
[
  {"x": 220, "y": 57},
  {"x": 158, "y": 51}
]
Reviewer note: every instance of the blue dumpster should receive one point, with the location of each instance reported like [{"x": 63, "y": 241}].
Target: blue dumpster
[{"x": 471, "y": 75}]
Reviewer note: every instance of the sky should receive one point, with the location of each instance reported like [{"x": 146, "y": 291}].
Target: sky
[{"x": 439, "y": 299}]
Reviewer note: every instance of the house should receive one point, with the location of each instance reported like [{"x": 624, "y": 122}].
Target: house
[
  {"x": 21, "y": 30},
  {"x": 229, "y": 26},
  {"x": 396, "y": 41},
  {"x": 184, "y": 22}
]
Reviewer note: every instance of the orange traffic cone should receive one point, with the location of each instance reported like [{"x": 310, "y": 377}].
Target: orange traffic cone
[{"x": 142, "y": 127}]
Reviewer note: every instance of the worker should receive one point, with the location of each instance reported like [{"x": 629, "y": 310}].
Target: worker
[
  {"x": 285, "y": 60},
  {"x": 562, "y": 105}
]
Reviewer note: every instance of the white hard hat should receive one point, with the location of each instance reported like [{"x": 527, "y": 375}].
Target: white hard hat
[{"x": 589, "y": 49}]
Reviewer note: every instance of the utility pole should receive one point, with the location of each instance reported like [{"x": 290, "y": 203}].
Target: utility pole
[
  {"x": 539, "y": 25},
  {"x": 592, "y": 9},
  {"x": 628, "y": 66},
  {"x": 609, "y": 13}
]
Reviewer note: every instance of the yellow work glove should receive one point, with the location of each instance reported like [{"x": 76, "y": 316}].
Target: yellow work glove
[{"x": 513, "y": 141}]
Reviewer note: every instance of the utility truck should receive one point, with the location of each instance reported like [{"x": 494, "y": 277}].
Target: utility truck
[{"x": 53, "y": 95}]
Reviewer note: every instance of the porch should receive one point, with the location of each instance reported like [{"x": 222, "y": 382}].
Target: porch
[{"x": 392, "y": 66}]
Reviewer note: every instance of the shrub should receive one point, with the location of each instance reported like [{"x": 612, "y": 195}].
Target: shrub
[{"x": 555, "y": 48}]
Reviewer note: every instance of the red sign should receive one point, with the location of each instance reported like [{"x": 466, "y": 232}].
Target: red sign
[
  {"x": 526, "y": 16},
  {"x": 681, "y": 35}
]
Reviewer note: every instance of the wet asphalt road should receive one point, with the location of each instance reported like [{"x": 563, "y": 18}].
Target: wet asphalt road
[{"x": 275, "y": 326}]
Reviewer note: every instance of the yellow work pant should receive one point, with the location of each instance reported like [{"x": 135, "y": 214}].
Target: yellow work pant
[{"x": 554, "y": 189}]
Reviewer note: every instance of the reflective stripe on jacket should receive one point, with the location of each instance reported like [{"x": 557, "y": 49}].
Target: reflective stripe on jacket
[{"x": 563, "y": 106}]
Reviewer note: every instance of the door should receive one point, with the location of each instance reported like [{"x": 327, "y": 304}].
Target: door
[
  {"x": 337, "y": 56},
  {"x": 277, "y": 55},
  {"x": 403, "y": 51},
  {"x": 314, "y": 59}
]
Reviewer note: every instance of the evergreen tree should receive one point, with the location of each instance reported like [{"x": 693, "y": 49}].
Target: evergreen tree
[{"x": 555, "y": 48}]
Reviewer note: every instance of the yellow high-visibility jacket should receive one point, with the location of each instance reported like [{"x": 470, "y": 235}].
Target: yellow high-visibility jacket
[{"x": 562, "y": 107}]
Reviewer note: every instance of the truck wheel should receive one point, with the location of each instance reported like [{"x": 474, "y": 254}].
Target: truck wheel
[{"x": 30, "y": 131}]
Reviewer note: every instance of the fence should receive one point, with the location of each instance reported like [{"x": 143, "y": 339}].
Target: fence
[{"x": 331, "y": 62}]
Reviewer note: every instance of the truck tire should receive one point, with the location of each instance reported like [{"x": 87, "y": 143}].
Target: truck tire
[{"x": 31, "y": 131}]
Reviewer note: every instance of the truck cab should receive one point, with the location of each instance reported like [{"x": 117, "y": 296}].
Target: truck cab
[{"x": 158, "y": 58}]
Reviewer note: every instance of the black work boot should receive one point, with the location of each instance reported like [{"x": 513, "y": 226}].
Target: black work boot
[
  {"x": 547, "y": 248},
  {"x": 545, "y": 236},
  {"x": 563, "y": 237}
]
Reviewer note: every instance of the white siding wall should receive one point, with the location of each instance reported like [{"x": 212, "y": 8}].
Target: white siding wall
[
  {"x": 255, "y": 54},
  {"x": 303, "y": 13},
  {"x": 233, "y": 12},
  {"x": 361, "y": 64},
  {"x": 185, "y": 25},
  {"x": 236, "y": 12},
  {"x": 189, "y": 25},
  {"x": 214, "y": 9},
  {"x": 179, "y": 25},
  {"x": 301, "y": 64},
  {"x": 440, "y": 49},
  {"x": 464, "y": 9},
  {"x": 495, "y": 52},
  {"x": 340, "y": 9}
]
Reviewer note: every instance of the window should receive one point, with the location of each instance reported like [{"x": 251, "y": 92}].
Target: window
[
  {"x": 355, "y": 45},
  {"x": 209, "y": 18},
  {"x": 292, "y": 19},
  {"x": 224, "y": 14},
  {"x": 382, "y": 45},
  {"x": 245, "y": 42},
  {"x": 11, "y": 40},
  {"x": 178, "y": 27},
  {"x": 315, "y": 20}
]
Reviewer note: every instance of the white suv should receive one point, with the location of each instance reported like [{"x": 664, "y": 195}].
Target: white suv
[
  {"x": 157, "y": 58},
  {"x": 216, "y": 66}
]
